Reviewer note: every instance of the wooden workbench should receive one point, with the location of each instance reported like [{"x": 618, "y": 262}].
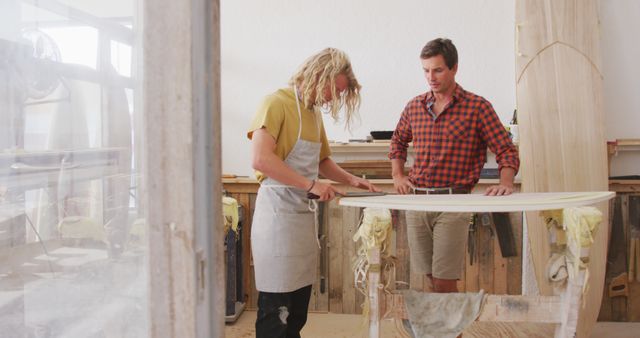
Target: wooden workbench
[
  {"x": 490, "y": 271},
  {"x": 334, "y": 290}
]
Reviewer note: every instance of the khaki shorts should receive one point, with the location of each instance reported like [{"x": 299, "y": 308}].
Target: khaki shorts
[{"x": 437, "y": 242}]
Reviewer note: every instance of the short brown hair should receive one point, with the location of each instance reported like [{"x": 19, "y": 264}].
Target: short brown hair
[{"x": 443, "y": 47}]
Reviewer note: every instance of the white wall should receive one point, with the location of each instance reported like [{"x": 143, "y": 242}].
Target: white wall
[
  {"x": 620, "y": 22},
  {"x": 263, "y": 43}
]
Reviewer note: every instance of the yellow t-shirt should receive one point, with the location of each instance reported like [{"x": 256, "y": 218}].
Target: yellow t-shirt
[{"x": 278, "y": 114}]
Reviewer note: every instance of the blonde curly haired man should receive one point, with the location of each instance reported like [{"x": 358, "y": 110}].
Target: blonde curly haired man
[{"x": 289, "y": 149}]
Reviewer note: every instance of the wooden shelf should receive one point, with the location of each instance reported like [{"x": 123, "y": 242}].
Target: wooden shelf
[
  {"x": 623, "y": 144},
  {"x": 363, "y": 147}
]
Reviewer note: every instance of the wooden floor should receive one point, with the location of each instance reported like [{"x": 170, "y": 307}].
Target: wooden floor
[{"x": 322, "y": 325}]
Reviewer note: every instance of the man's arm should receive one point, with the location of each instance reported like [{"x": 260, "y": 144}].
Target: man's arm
[
  {"x": 266, "y": 161},
  {"x": 401, "y": 183},
  {"x": 505, "y": 187},
  {"x": 402, "y": 135},
  {"x": 506, "y": 152},
  {"x": 332, "y": 171}
]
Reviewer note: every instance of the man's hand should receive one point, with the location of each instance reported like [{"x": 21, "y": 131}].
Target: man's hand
[
  {"x": 326, "y": 191},
  {"x": 402, "y": 184},
  {"x": 362, "y": 183},
  {"x": 499, "y": 190}
]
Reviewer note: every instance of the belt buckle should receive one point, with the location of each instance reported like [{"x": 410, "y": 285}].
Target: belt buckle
[
  {"x": 440, "y": 191},
  {"x": 433, "y": 191}
]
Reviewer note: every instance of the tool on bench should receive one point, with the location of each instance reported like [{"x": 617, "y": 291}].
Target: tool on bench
[
  {"x": 233, "y": 176},
  {"x": 504, "y": 230},
  {"x": 313, "y": 196}
]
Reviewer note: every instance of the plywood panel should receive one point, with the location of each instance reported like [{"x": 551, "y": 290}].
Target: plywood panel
[
  {"x": 514, "y": 264},
  {"x": 485, "y": 257},
  {"x": 401, "y": 249},
  {"x": 560, "y": 112},
  {"x": 350, "y": 221},
  {"x": 499, "y": 270},
  {"x": 335, "y": 253},
  {"x": 321, "y": 289}
]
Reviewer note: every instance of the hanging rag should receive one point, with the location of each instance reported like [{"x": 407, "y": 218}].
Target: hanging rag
[
  {"x": 441, "y": 315},
  {"x": 574, "y": 230},
  {"x": 230, "y": 212},
  {"x": 374, "y": 232}
]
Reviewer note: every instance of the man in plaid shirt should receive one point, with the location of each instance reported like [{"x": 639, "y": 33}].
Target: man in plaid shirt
[{"x": 451, "y": 129}]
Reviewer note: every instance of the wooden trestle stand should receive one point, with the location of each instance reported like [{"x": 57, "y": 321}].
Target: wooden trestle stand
[{"x": 561, "y": 309}]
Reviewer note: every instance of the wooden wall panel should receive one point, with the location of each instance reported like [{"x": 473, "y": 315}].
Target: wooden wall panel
[
  {"x": 401, "y": 249},
  {"x": 514, "y": 264},
  {"x": 350, "y": 222},
  {"x": 335, "y": 253}
]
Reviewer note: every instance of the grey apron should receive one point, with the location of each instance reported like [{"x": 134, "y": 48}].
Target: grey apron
[{"x": 284, "y": 229}]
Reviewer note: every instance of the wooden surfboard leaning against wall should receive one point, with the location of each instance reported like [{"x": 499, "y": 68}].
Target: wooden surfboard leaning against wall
[{"x": 561, "y": 118}]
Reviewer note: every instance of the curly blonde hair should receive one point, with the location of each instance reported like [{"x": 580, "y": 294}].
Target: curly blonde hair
[{"x": 320, "y": 71}]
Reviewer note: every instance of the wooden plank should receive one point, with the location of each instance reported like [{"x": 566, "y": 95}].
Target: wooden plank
[
  {"x": 633, "y": 309},
  {"x": 616, "y": 302},
  {"x": 359, "y": 297},
  {"x": 633, "y": 304},
  {"x": 562, "y": 145},
  {"x": 401, "y": 249},
  {"x": 628, "y": 186},
  {"x": 605, "y": 305},
  {"x": 618, "y": 261},
  {"x": 509, "y": 330},
  {"x": 350, "y": 222},
  {"x": 514, "y": 264},
  {"x": 506, "y": 308},
  {"x": 322, "y": 298},
  {"x": 485, "y": 257},
  {"x": 374, "y": 293},
  {"x": 499, "y": 270},
  {"x": 334, "y": 251},
  {"x": 498, "y": 308}
]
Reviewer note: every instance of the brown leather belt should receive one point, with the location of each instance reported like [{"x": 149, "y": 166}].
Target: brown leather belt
[{"x": 440, "y": 191}]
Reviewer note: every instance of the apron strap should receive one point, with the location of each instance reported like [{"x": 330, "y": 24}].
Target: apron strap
[{"x": 295, "y": 91}]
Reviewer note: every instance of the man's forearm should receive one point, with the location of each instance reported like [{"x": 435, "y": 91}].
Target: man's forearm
[
  {"x": 332, "y": 171},
  {"x": 397, "y": 167},
  {"x": 274, "y": 167},
  {"x": 507, "y": 176}
]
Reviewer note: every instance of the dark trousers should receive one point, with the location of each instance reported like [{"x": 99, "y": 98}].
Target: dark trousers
[{"x": 282, "y": 315}]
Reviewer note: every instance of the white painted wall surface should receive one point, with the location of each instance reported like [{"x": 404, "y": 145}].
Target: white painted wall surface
[
  {"x": 621, "y": 70},
  {"x": 264, "y": 42}
]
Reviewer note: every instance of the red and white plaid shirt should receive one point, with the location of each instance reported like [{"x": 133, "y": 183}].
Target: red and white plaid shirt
[{"x": 451, "y": 148}]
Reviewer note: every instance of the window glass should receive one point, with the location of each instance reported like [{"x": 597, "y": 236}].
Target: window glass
[{"x": 73, "y": 255}]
